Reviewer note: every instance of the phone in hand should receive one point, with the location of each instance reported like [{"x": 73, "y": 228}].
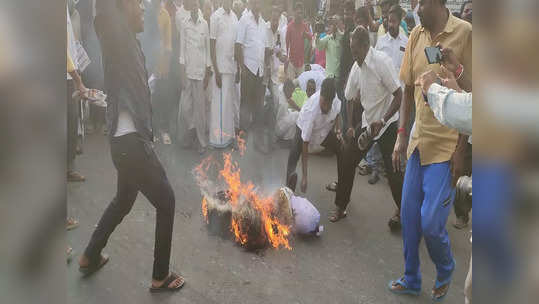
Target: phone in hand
[{"x": 434, "y": 54}]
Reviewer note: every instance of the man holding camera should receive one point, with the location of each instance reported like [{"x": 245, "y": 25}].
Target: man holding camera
[{"x": 435, "y": 153}]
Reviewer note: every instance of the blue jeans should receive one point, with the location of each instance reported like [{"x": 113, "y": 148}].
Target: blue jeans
[{"x": 427, "y": 197}]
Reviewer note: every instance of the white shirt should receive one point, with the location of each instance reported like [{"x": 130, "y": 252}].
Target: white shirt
[
  {"x": 416, "y": 15},
  {"x": 451, "y": 109},
  {"x": 224, "y": 28},
  {"x": 394, "y": 48},
  {"x": 317, "y": 75},
  {"x": 254, "y": 38},
  {"x": 195, "y": 48},
  {"x": 375, "y": 81},
  {"x": 71, "y": 47},
  {"x": 276, "y": 45},
  {"x": 125, "y": 124},
  {"x": 314, "y": 125}
]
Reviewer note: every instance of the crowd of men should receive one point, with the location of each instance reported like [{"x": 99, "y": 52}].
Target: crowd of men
[{"x": 345, "y": 77}]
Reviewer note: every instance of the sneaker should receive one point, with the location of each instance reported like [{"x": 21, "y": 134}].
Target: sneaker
[
  {"x": 461, "y": 222},
  {"x": 374, "y": 178}
]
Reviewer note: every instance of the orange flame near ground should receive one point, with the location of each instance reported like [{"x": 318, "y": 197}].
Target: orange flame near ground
[{"x": 276, "y": 232}]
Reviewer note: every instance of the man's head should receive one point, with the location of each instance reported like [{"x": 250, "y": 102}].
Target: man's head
[
  {"x": 327, "y": 94},
  {"x": 360, "y": 44},
  {"x": 362, "y": 16},
  {"x": 410, "y": 21},
  {"x": 386, "y": 5},
  {"x": 275, "y": 16},
  {"x": 134, "y": 12},
  {"x": 298, "y": 12},
  {"x": 206, "y": 9},
  {"x": 349, "y": 12},
  {"x": 429, "y": 11},
  {"x": 255, "y": 7},
  {"x": 227, "y": 5},
  {"x": 288, "y": 88},
  {"x": 333, "y": 24},
  {"x": 237, "y": 7},
  {"x": 466, "y": 11},
  {"x": 394, "y": 20},
  {"x": 189, "y": 5},
  {"x": 311, "y": 87}
]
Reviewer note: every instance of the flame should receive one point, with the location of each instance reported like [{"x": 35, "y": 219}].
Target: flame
[
  {"x": 276, "y": 232},
  {"x": 205, "y": 209}
]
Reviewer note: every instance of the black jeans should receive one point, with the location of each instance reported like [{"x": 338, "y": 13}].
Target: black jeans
[
  {"x": 352, "y": 155},
  {"x": 252, "y": 101},
  {"x": 139, "y": 169},
  {"x": 331, "y": 143}
]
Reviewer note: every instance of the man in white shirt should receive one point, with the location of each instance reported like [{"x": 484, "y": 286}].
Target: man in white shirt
[
  {"x": 393, "y": 43},
  {"x": 374, "y": 88},
  {"x": 225, "y": 100},
  {"x": 315, "y": 125},
  {"x": 253, "y": 53},
  {"x": 278, "y": 57},
  {"x": 195, "y": 62},
  {"x": 317, "y": 75}
]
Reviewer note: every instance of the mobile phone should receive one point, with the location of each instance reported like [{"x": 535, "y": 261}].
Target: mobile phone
[{"x": 434, "y": 55}]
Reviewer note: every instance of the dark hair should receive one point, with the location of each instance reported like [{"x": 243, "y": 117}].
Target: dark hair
[
  {"x": 397, "y": 11},
  {"x": 288, "y": 85},
  {"x": 361, "y": 35},
  {"x": 349, "y": 5},
  {"x": 328, "y": 89},
  {"x": 311, "y": 81},
  {"x": 363, "y": 13},
  {"x": 463, "y": 6}
]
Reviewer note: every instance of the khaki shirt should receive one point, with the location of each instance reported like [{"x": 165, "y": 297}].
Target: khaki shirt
[{"x": 435, "y": 142}]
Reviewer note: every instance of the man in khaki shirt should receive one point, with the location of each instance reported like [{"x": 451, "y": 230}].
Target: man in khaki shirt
[{"x": 434, "y": 158}]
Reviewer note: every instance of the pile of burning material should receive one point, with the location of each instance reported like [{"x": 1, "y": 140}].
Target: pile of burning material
[{"x": 254, "y": 220}]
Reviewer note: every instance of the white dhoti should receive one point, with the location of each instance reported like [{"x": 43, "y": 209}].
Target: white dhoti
[
  {"x": 193, "y": 110},
  {"x": 223, "y": 107}
]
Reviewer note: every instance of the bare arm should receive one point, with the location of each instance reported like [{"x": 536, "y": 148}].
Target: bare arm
[
  {"x": 304, "y": 163},
  {"x": 238, "y": 53}
]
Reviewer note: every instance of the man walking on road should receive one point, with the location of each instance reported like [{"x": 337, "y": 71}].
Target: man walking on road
[{"x": 129, "y": 116}]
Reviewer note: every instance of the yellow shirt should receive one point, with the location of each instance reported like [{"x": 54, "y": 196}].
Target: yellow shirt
[
  {"x": 435, "y": 142},
  {"x": 165, "y": 32}
]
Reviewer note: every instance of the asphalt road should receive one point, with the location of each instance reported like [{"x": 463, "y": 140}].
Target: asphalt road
[{"x": 351, "y": 262}]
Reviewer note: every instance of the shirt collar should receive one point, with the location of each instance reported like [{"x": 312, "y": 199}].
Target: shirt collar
[
  {"x": 369, "y": 58},
  {"x": 449, "y": 26},
  {"x": 190, "y": 18}
]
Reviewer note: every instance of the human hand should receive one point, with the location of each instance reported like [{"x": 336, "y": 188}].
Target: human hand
[
  {"x": 218, "y": 79},
  {"x": 304, "y": 184},
  {"x": 449, "y": 59},
  {"x": 448, "y": 80},
  {"x": 401, "y": 144},
  {"x": 426, "y": 80},
  {"x": 376, "y": 127},
  {"x": 350, "y": 133}
]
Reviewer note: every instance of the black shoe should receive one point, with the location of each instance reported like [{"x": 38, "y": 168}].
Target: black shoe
[
  {"x": 292, "y": 181},
  {"x": 374, "y": 178}
]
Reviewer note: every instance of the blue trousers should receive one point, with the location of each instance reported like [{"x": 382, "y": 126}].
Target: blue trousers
[{"x": 427, "y": 197}]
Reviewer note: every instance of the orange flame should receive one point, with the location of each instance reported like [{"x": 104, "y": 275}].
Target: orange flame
[
  {"x": 205, "y": 209},
  {"x": 276, "y": 232}
]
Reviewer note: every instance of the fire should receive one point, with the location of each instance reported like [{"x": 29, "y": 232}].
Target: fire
[
  {"x": 205, "y": 209},
  {"x": 273, "y": 230}
]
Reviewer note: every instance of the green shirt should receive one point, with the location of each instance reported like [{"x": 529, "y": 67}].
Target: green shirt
[
  {"x": 299, "y": 97},
  {"x": 333, "y": 48}
]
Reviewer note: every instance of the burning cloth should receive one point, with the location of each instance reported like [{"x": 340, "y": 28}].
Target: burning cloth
[{"x": 306, "y": 216}]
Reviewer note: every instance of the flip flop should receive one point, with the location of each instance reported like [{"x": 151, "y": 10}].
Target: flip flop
[
  {"x": 406, "y": 290},
  {"x": 164, "y": 287},
  {"x": 332, "y": 187},
  {"x": 447, "y": 282},
  {"x": 337, "y": 216},
  {"x": 92, "y": 268}
]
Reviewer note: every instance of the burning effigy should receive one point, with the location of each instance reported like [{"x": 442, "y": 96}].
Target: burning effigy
[{"x": 255, "y": 221}]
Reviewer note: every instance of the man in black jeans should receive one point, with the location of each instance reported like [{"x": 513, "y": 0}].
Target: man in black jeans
[
  {"x": 375, "y": 92},
  {"x": 129, "y": 118},
  {"x": 315, "y": 125}
]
